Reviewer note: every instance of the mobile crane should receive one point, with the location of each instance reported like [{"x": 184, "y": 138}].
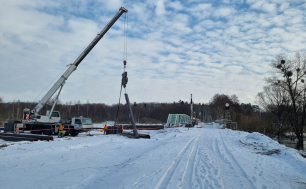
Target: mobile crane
[{"x": 48, "y": 124}]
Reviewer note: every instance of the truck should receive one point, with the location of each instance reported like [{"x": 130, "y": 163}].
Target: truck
[{"x": 49, "y": 123}]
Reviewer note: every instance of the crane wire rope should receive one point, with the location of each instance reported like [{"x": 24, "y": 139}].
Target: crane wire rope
[{"x": 124, "y": 60}]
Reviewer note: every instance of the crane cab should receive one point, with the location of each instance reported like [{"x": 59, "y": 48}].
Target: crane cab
[{"x": 55, "y": 117}]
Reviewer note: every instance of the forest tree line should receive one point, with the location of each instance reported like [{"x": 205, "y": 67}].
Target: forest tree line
[{"x": 248, "y": 117}]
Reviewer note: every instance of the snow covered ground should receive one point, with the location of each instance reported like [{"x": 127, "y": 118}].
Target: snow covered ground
[{"x": 172, "y": 158}]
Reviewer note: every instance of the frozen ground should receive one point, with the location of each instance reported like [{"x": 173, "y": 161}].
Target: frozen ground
[{"x": 172, "y": 158}]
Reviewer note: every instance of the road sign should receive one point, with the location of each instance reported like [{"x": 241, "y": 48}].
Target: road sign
[{"x": 226, "y": 106}]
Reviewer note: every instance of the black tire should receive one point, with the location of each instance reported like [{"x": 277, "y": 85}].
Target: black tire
[
  {"x": 37, "y": 129},
  {"x": 67, "y": 132},
  {"x": 49, "y": 131},
  {"x": 74, "y": 133}
]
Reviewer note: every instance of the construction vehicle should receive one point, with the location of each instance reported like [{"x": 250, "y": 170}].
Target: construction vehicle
[
  {"x": 77, "y": 125},
  {"x": 48, "y": 124}
]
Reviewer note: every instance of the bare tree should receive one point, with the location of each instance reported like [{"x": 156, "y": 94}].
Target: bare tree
[
  {"x": 274, "y": 100},
  {"x": 289, "y": 74},
  {"x": 87, "y": 108}
]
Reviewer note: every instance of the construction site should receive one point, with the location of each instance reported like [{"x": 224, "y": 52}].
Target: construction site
[
  {"x": 42, "y": 127},
  {"x": 187, "y": 142}
]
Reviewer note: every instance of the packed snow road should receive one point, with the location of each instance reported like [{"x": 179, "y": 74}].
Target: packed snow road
[{"x": 172, "y": 158}]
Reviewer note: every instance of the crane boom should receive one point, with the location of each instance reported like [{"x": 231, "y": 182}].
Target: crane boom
[{"x": 74, "y": 65}]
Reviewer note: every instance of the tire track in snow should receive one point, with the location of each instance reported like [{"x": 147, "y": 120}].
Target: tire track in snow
[
  {"x": 214, "y": 164},
  {"x": 108, "y": 170},
  {"x": 147, "y": 177},
  {"x": 224, "y": 163},
  {"x": 189, "y": 168},
  {"x": 164, "y": 180},
  {"x": 206, "y": 173},
  {"x": 244, "y": 180}
]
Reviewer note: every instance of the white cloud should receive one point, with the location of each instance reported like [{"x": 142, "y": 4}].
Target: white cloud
[
  {"x": 284, "y": 6},
  {"x": 223, "y": 12},
  {"x": 265, "y": 6},
  {"x": 269, "y": 7},
  {"x": 233, "y": 30},
  {"x": 201, "y": 7},
  {"x": 160, "y": 7},
  {"x": 201, "y": 11},
  {"x": 226, "y": 1},
  {"x": 212, "y": 34},
  {"x": 175, "y": 5},
  {"x": 110, "y": 4}
]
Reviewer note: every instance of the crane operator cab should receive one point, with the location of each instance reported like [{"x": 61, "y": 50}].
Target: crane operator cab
[{"x": 55, "y": 117}]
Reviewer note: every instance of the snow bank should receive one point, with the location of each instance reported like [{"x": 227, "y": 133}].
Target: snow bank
[
  {"x": 266, "y": 146},
  {"x": 260, "y": 139}
]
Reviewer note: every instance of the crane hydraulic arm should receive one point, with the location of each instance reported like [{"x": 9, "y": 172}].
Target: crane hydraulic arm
[{"x": 74, "y": 65}]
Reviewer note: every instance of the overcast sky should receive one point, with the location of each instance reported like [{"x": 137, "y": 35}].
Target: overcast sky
[{"x": 174, "y": 48}]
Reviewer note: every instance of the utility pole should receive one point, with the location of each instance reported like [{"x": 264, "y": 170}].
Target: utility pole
[{"x": 191, "y": 109}]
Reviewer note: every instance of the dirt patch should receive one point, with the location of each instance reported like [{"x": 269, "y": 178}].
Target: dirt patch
[
  {"x": 262, "y": 149},
  {"x": 3, "y": 145},
  {"x": 269, "y": 152},
  {"x": 303, "y": 154}
]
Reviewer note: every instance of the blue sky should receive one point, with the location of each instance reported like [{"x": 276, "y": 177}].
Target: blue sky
[{"x": 175, "y": 48}]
